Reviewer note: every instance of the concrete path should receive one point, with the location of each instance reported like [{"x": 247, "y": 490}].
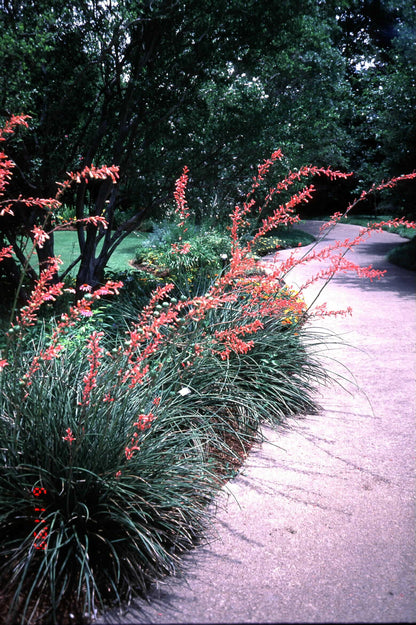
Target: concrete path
[{"x": 320, "y": 524}]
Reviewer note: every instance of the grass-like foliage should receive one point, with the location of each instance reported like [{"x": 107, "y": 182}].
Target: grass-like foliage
[
  {"x": 84, "y": 517},
  {"x": 112, "y": 443}
]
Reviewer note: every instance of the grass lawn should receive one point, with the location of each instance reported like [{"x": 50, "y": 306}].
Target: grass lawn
[{"x": 66, "y": 245}]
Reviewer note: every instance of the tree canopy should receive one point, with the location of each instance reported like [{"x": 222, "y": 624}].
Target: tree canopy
[{"x": 152, "y": 85}]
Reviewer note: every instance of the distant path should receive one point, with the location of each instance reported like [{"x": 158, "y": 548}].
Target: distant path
[{"x": 320, "y": 524}]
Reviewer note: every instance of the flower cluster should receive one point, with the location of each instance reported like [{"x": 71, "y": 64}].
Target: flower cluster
[
  {"x": 90, "y": 380},
  {"x": 179, "y": 194},
  {"x": 7, "y": 164},
  {"x": 143, "y": 422},
  {"x": 82, "y": 308},
  {"x": 183, "y": 249},
  {"x": 86, "y": 174},
  {"x": 231, "y": 342},
  {"x": 70, "y": 438},
  {"x": 45, "y": 290}
]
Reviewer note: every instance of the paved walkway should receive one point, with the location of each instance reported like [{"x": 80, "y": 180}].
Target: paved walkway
[{"x": 320, "y": 524}]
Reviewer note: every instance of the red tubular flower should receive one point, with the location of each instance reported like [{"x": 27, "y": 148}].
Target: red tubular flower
[
  {"x": 135, "y": 375},
  {"x": 99, "y": 173},
  {"x": 9, "y": 126},
  {"x": 90, "y": 380},
  {"x": 144, "y": 421},
  {"x": 44, "y": 291},
  {"x": 184, "y": 249},
  {"x": 69, "y": 436},
  {"x": 6, "y": 252},
  {"x": 179, "y": 195},
  {"x": 129, "y": 451},
  {"x": 109, "y": 288},
  {"x": 95, "y": 220},
  {"x": 39, "y": 236},
  {"x": 6, "y": 210},
  {"x": 41, "y": 539},
  {"x": 231, "y": 340},
  {"x": 6, "y": 165}
]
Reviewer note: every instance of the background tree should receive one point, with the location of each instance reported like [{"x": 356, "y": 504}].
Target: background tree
[
  {"x": 151, "y": 85},
  {"x": 379, "y": 41}
]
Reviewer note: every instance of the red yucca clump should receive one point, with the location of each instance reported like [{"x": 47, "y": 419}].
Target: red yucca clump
[{"x": 108, "y": 445}]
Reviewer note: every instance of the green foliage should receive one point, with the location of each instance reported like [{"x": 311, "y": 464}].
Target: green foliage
[
  {"x": 276, "y": 377},
  {"x": 379, "y": 41},
  {"x": 113, "y": 441},
  {"x": 281, "y": 239},
  {"x": 404, "y": 255},
  {"x": 209, "y": 249},
  {"x": 106, "y": 534},
  {"x": 112, "y": 523},
  {"x": 197, "y": 84},
  {"x": 160, "y": 84}
]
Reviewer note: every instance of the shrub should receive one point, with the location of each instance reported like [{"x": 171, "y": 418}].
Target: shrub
[
  {"x": 105, "y": 525},
  {"x": 190, "y": 258}
]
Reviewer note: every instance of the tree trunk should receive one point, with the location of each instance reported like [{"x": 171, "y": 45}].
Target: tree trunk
[{"x": 90, "y": 272}]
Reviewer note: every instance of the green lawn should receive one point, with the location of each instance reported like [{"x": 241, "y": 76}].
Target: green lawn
[{"x": 66, "y": 246}]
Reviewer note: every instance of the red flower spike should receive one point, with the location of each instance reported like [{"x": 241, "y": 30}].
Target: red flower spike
[
  {"x": 90, "y": 380},
  {"x": 69, "y": 436}
]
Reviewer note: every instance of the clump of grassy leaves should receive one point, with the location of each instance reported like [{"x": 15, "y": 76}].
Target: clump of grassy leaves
[
  {"x": 111, "y": 446},
  {"x": 110, "y": 527},
  {"x": 114, "y": 522},
  {"x": 96, "y": 502}
]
